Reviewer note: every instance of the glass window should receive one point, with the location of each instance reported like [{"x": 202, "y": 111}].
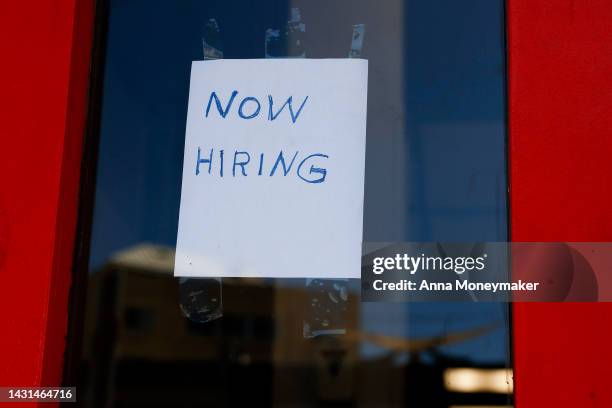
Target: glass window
[{"x": 435, "y": 171}]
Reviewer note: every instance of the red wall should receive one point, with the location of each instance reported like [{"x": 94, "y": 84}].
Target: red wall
[
  {"x": 560, "y": 83},
  {"x": 43, "y": 74}
]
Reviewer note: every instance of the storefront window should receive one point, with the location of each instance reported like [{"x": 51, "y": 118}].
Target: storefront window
[{"x": 435, "y": 171}]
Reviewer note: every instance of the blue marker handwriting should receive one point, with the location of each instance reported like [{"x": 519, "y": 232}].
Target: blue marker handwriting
[
  {"x": 250, "y": 107},
  {"x": 241, "y": 163}
]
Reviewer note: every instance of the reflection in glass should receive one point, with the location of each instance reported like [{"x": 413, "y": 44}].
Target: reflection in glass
[{"x": 435, "y": 171}]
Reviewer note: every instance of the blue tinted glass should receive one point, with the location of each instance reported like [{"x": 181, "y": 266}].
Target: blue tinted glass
[{"x": 435, "y": 171}]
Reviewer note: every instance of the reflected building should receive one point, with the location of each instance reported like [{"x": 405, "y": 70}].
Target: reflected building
[{"x": 140, "y": 349}]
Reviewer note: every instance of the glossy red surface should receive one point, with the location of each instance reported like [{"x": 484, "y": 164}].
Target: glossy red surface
[
  {"x": 46, "y": 47},
  {"x": 560, "y": 102}
]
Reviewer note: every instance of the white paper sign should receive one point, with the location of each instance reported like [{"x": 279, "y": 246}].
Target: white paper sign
[{"x": 274, "y": 169}]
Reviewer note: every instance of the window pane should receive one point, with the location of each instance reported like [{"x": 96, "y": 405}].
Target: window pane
[{"x": 435, "y": 171}]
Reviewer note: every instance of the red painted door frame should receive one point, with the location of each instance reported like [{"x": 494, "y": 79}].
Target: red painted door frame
[
  {"x": 560, "y": 113},
  {"x": 46, "y": 47},
  {"x": 560, "y": 120}
]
